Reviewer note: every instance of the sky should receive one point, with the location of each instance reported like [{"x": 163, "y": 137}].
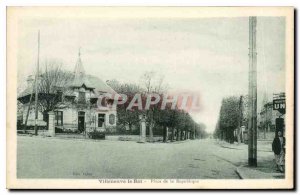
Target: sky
[{"x": 206, "y": 55}]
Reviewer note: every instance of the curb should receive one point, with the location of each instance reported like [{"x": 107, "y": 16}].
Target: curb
[
  {"x": 257, "y": 174},
  {"x": 239, "y": 173}
]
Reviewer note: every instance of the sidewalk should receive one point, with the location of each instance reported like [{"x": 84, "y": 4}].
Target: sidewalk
[
  {"x": 246, "y": 172},
  {"x": 266, "y": 168},
  {"x": 262, "y": 145}
]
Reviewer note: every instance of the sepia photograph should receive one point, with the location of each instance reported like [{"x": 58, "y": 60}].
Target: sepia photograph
[{"x": 150, "y": 98}]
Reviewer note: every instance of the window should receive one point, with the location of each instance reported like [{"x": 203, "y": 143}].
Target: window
[
  {"x": 58, "y": 118},
  {"x": 59, "y": 96},
  {"x": 112, "y": 119},
  {"x": 81, "y": 97},
  {"x": 101, "y": 120}
]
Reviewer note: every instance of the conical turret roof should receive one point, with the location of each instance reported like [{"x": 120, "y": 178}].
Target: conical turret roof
[{"x": 80, "y": 77}]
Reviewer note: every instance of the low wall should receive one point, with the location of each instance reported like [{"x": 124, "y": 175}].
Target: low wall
[
  {"x": 107, "y": 137},
  {"x": 130, "y": 138}
]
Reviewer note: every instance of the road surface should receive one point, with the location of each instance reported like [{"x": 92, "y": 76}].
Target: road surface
[{"x": 39, "y": 157}]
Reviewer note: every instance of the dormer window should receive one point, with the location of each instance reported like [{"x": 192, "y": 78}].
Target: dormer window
[
  {"x": 81, "y": 97},
  {"x": 59, "y": 96}
]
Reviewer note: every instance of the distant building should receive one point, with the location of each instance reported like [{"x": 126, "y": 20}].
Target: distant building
[
  {"x": 267, "y": 117},
  {"x": 77, "y": 108}
]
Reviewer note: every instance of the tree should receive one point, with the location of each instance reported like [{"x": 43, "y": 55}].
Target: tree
[
  {"x": 125, "y": 116},
  {"x": 153, "y": 83},
  {"x": 52, "y": 83},
  {"x": 157, "y": 119},
  {"x": 200, "y": 131},
  {"x": 166, "y": 118},
  {"x": 180, "y": 124},
  {"x": 229, "y": 118},
  {"x": 174, "y": 121}
]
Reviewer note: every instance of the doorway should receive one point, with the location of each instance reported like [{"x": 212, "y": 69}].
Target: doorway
[{"x": 81, "y": 119}]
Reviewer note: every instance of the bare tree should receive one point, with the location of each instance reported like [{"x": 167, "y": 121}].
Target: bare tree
[
  {"x": 125, "y": 116},
  {"x": 53, "y": 83},
  {"x": 152, "y": 83}
]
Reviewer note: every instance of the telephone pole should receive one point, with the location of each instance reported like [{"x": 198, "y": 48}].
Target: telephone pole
[
  {"x": 194, "y": 132},
  {"x": 36, "y": 88},
  {"x": 252, "y": 126},
  {"x": 29, "y": 107},
  {"x": 240, "y": 121}
]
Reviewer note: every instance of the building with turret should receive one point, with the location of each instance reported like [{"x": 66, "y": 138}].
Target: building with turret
[{"x": 76, "y": 107}]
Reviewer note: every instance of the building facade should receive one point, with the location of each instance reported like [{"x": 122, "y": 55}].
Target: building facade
[
  {"x": 77, "y": 107},
  {"x": 267, "y": 117}
]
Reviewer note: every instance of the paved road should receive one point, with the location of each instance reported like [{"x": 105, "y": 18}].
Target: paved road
[{"x": 62, "y": 158}]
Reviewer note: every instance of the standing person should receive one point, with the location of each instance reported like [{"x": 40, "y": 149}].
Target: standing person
[{"x": 278, "y": 147}]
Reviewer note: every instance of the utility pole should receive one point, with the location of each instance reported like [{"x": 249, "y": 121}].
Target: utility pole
[
  {"x": 28, "y": 110},
  {"x": 252, "y": 122},
  {"x": 240, "y": 121},
  {"x": 36, "y": 88},
  {"x": 194, "y": 133},
  {"x": 266, "y": 124},
  {"x": 265, "y": 113}
]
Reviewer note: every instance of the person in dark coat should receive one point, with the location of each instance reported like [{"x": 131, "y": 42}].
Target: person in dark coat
[{"x": 278, "y": 147}]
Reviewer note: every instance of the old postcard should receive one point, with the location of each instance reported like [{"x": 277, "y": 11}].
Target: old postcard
[{"x": 150, "y": 98}]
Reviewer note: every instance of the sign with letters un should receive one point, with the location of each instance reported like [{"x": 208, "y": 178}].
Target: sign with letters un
[{"x": 279, "y": 105}]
